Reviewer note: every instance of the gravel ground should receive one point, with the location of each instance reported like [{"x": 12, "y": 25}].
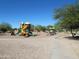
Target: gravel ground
[{"x": 38, "y": 47}]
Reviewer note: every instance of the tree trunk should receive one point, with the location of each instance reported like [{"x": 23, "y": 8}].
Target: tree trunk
[{"x": 73, "y": 34}]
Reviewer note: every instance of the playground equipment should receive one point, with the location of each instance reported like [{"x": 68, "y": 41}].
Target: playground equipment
[
  {"x": 52, "y": 30},
  {"x": 25, "y": 29}
]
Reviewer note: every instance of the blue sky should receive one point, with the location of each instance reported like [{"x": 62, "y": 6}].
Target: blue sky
[{"x": 37, "y": 12}]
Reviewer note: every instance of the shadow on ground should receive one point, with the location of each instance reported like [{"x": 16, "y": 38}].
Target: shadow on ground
[{"x": 72, "y": 38}]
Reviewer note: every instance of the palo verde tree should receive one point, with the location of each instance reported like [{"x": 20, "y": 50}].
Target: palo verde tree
[{"x": 68, "y": 17}]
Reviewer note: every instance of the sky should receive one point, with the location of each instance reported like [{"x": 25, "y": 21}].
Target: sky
[{"x": 37, "y": 12}]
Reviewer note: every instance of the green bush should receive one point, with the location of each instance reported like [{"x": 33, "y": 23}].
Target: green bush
[{"x": 5, "y": 27}]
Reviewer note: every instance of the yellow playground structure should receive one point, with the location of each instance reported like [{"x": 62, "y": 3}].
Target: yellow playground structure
[{"x": 24, "y": 30}]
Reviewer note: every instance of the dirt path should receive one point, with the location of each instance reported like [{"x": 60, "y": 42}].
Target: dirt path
[
  {"x": 62, "y": 49},
  {"x": 40, "y": 47}
]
